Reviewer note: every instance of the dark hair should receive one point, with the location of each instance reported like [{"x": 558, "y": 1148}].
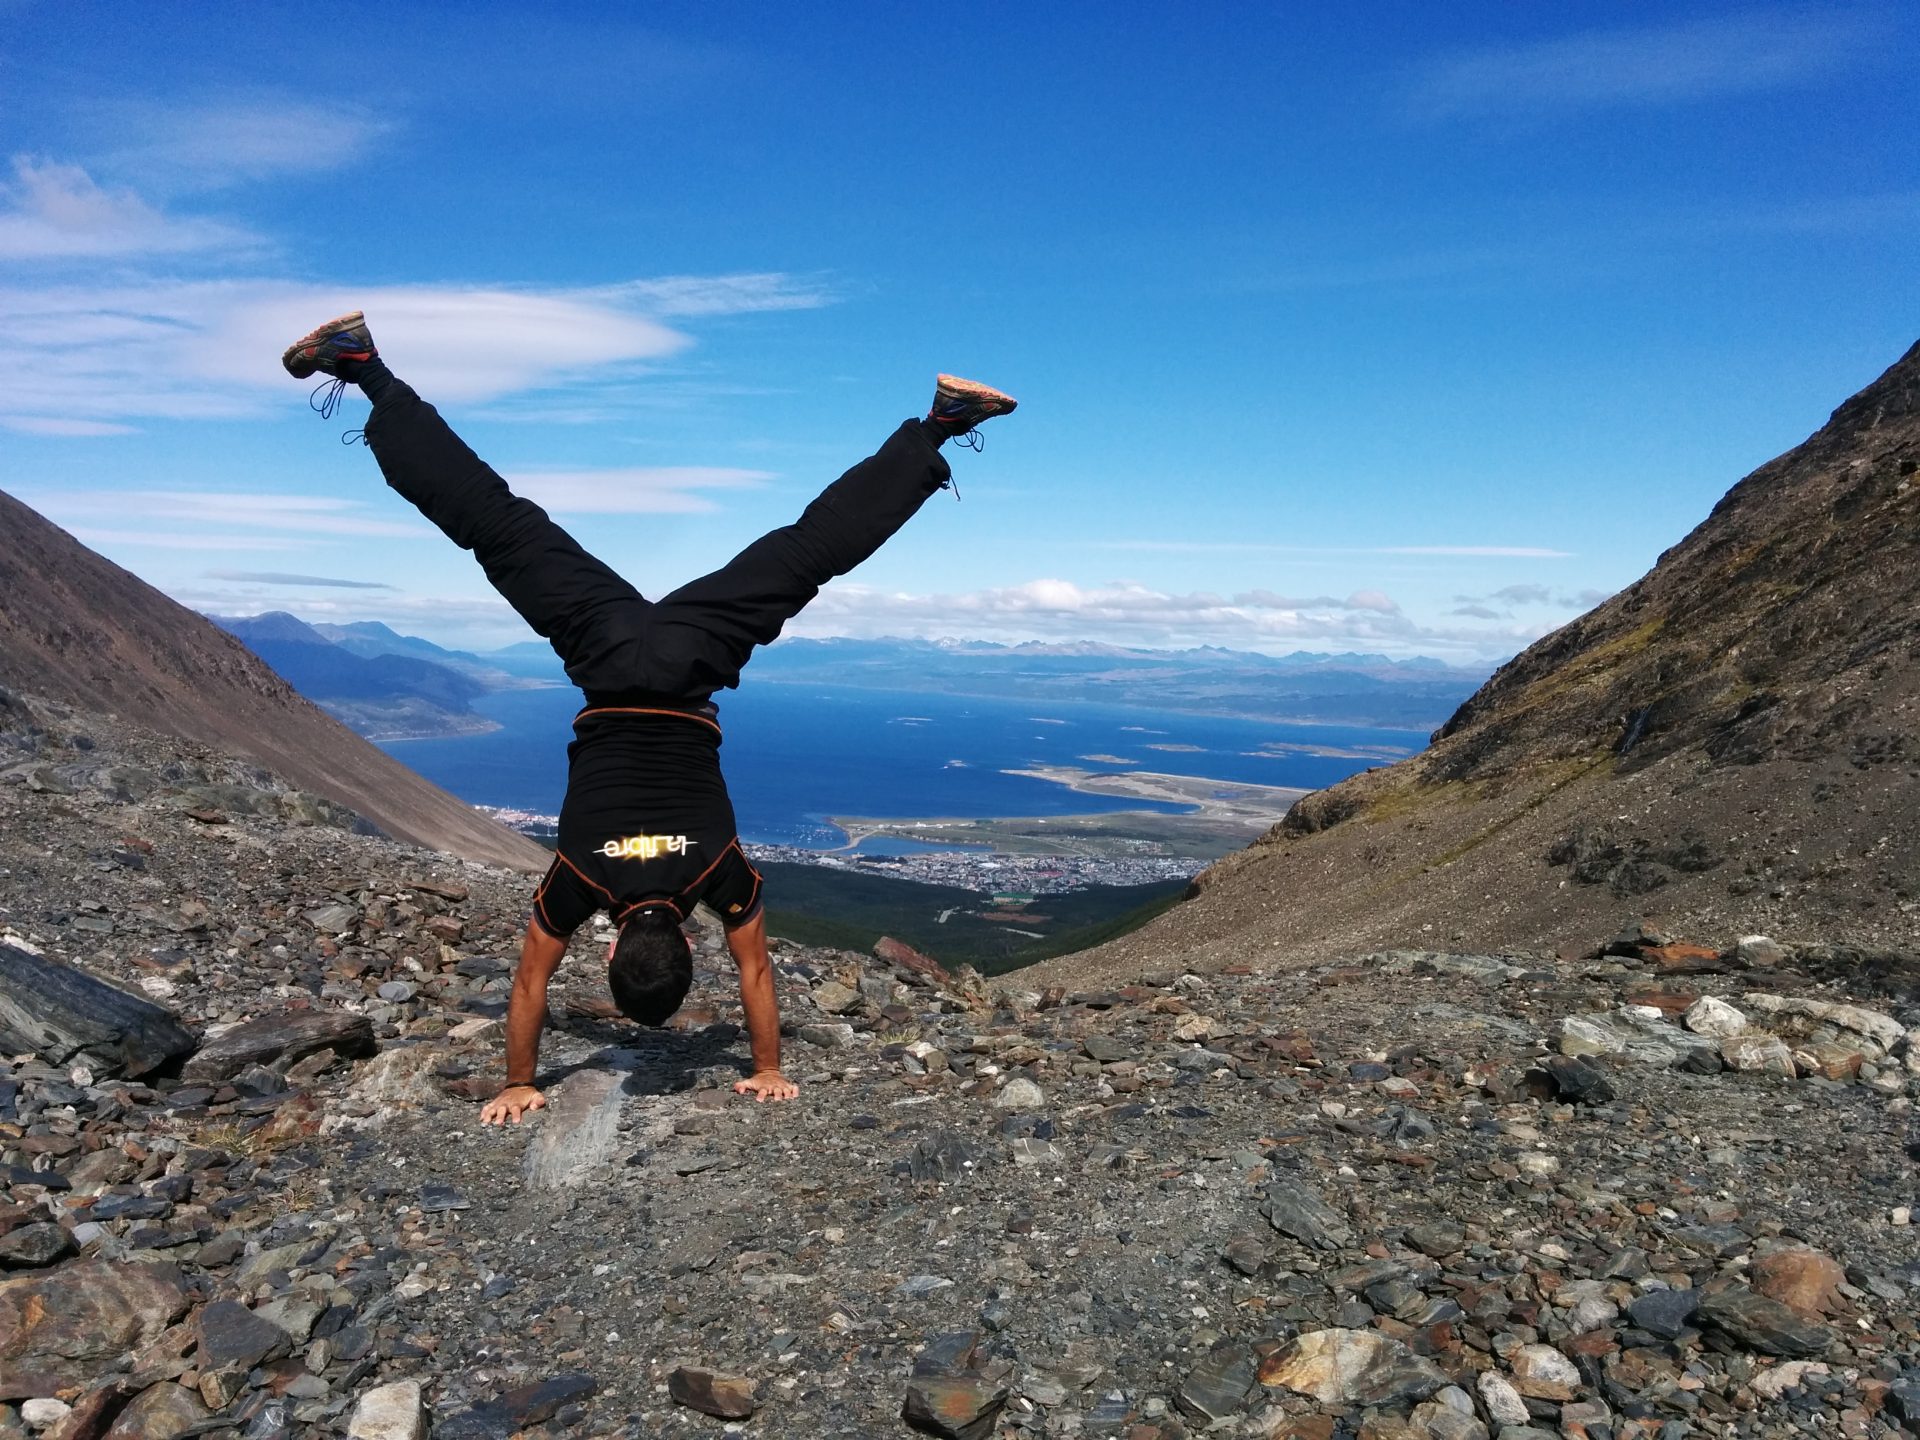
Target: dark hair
[{"x": 651, "y": 968}]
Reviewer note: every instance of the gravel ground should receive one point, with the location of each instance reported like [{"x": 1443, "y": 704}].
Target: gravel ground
[{"x": 1447, "y": 1195}]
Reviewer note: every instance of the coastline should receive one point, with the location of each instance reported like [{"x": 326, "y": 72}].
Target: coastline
[{"x": 1219, "y": 817}]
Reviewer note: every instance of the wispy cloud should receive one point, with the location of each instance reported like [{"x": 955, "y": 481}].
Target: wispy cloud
[
  {"x": 211, "y": 348},
  {"x": 180, "y": 540},
  {"x": 475, "y": 622},
  {"x": 1504, "y": 602},
  {"x": 691, "y": 295},
  {"x": 231, "y": 139},
  {"x": 1252, "y": 547},
  {"x": 65, "y": 429},
  {"x": 220, "y": 511},
  {"x": 632, "y": 490},
  {"x": 59, "y": 212},
  {"x": 1680, "y": 62},
  {"x": 275, "y": 577}
]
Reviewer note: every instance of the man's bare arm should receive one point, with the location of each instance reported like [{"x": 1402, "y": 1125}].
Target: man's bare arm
[
  {"x": 748, "y": 943},
  {"x": 540, "y": 956}
]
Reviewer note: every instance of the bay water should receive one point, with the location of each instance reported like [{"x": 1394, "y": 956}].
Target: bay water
[{"x": 796, "y": 753}]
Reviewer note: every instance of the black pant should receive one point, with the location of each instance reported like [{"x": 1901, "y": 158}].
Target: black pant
[{"x": 615, "y": 643}]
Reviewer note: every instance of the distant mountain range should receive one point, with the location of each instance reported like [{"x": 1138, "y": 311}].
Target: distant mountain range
[
  {"x": 1415, "y": 694},
  {"x": 388, "y": 685}
]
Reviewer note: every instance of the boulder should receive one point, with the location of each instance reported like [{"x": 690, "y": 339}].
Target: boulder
[
  {"x": 1712, "y": 1016},
  {"x": 1351, "y": 1367},
  {"x": 1640, "y": 1033},
  {"x": 1758, "y": 1053},
  {"x": 1793, "y": 1015},
  {"x": 1763, "y": 1324},
  {"x": 63, "y": 1327},
  {"x": 64, "y": 1015},
  {"x": 285, "y": 1036}
]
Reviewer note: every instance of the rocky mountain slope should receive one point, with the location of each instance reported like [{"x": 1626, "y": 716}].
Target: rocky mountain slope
[
  {"x": 1728, "y": 745},
  {"x": 76, "y": 627},
  {"x": 1658, "y": 1194}
]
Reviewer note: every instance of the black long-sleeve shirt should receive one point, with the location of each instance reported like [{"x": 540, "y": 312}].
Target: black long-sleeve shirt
[{"x": 647, "y": 819}]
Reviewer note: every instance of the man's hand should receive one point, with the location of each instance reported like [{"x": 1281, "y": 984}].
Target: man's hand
[
  {"x": 765, "y": 1085},
  {"x": 512, "y": 1103}
]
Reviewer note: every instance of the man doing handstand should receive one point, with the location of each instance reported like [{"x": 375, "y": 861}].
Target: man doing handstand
[{"x": 646, "y": 828}]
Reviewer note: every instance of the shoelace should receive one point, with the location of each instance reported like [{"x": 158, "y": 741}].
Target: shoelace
[
  {"x": 326, "y": 396},
  {"x": 325, "y": 399}
]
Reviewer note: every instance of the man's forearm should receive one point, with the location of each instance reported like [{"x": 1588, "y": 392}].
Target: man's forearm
[
  {"x": 526, "y": 1014},
  {"x": 763, "y": 1017}
]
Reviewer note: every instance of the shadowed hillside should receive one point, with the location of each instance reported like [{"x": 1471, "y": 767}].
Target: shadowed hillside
[{"x": 77, "y": 627}]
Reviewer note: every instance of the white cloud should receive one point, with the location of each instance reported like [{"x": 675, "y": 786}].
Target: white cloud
[
  {"x": 1126, "y": 613},
  {"x": 211, "y": 349},
  {"x": 1686, "y": 61},
  {"x": 632, "y": 490},
  {"x": 1253, "y": 547},
  {"x": 59, "y": 212}
]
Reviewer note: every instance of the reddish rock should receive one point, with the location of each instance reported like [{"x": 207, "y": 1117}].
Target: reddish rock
[
  {"x": 164, "y": 1412},
  {"x": 1680, "y": 958},
  {"x": 896, "y": 952},
  {"x": 60, "y": 1328},
  {"x": 1800, "y": 1277}
]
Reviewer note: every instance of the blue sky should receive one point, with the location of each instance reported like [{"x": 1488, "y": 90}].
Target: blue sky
[{"x": 1396, "y": 328}]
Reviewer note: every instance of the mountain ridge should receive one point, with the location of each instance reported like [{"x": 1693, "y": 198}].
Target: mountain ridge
[
  {"x": 1723, "y": 747},
  {"x": 82, "y": 630}
]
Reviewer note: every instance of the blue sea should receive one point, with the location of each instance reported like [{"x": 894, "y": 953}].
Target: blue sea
[{"x": 797, "y": 753}]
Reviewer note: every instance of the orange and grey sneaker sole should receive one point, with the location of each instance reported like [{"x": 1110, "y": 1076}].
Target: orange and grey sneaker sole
[
  {"x": 345, "y": 338},
  {"x": 962, "y": 404}
]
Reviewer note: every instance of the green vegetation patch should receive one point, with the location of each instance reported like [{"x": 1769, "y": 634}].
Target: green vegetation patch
[{"x": 820, "y": 905}]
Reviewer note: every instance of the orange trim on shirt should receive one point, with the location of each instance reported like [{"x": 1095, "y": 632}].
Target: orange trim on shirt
[
  {"x": 614, "y": 899},
  {"x": 694, "y": 884},
  {"x": 646, "y": 710}
]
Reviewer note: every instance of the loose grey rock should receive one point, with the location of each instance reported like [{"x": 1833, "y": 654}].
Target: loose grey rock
[
  {"x": 728, "y": 1397},
  {"x": 1294, "y": 1210},
  {"x": 1219, "y": 1385},
  {"x": 1019, "y": 1094},
  {"x": 388, "y": 1412},
  {"x": 954, "y": 1409},
  {"x": 1763, "y": 1324}
]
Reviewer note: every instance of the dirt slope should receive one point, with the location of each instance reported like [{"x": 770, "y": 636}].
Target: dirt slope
[
  {"x": 1727, "y": 746},
  {"x": 79, "y": 628}
]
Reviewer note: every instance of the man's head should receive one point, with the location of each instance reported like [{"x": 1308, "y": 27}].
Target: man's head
[{"x": 650, "y": 968}]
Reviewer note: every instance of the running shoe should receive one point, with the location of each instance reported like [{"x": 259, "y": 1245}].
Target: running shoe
[
  {"x": 959, "y": 405},
  {"x": 344, "y": 339}
]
